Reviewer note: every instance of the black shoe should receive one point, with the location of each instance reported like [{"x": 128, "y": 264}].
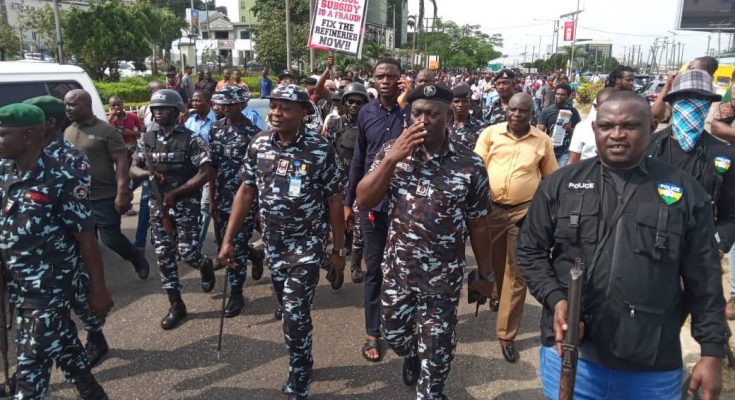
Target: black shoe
[
  {"x": 278, "y": 314},
  {"x": 96, "y": 347},
  {"x": 411, "y": 370},
  {"x": 206, "y": 271},
  {"x": 88, "y": 387},
  {"x": 177, "y": 312},
  {"x": 494, "y": 305},
  {"x": 256, "y": 256},
  {"x": 356, "y": 266},
  {"x": 235, "y": 304},
  {"x": 142, "y": 268},
  {"x": 509, "y": 351},
  {"x": 334, "y": 280}
]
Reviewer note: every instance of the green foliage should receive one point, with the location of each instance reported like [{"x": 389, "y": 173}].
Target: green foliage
[
  {"x": 178, "y": 7},
  {"x": 9, "y": 42},
  {"x": 461, "y": 47},
  {"x": 587, "y": 91},
  {"x": 133, "y": 89},
  {"x": 43, "y": 23},
  {"x": 160, "y": 25},
  {"x": 270, "y": 35}
]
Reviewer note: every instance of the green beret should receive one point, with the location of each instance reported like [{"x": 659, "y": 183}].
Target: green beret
[
  {"x": 49, "y": 104},
  {"x": 21, "y": 115}
]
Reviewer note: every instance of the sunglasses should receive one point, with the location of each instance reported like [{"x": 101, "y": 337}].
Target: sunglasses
[{"x": 354, "y": 102}]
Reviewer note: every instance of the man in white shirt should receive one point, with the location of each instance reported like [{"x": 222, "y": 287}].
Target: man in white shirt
[{"x": 583, "y": 144}]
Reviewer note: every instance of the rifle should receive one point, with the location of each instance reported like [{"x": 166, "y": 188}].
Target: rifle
[
  {"x": 570, "y": 344},
  {"x": 168, "y": 226},
  {"x": 7, "y": 388}
]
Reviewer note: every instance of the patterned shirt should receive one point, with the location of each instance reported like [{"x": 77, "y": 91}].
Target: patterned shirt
[
  {"x": 227, "y": 148},
  {"x": 64, "y": 152},
  {"x": 430, "y": 202},
  {"x": 293, "y": 182},
  {"x": 468, "y": 134},
  {"x": 496, "y": 113},
  {"x": 42, "y": 209}
]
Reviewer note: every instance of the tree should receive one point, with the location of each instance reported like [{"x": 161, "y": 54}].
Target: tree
[
  {"x": 103, "y": 35},
  {"x": 9, "y": 41},
  {"x": 43, "y": 23},
  {"x": 161, "y": 27},
  {"x": 461, "y": 47},
  {"x": 421, "y": 14},
  {"x": 178, "y": 7},
  {"x": 270, "y": 37}
]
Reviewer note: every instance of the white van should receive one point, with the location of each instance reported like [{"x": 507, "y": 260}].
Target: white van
[{"x": 21, "y": 80}]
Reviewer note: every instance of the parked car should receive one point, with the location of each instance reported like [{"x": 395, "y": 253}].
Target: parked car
[
  {"x": 21, "y": 80},
  {"x": 652, "y": 90},
  {"x": 641, "y": 81}
]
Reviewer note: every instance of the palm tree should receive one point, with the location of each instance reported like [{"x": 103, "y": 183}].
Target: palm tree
[{"x": 421, "y": 13}]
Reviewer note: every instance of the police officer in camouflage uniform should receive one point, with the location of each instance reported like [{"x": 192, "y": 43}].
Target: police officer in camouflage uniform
[
  {"x": 465, "y": 128},
  {"x": 228, "y": 141},
  {"x": 438, "y": 193},
  {"x": 177, "y": 163},
  {"x": 45, "y": 226},
  {"x": 64, "y": 152},
  {"x": 343, "y": 131},
  {"x": 293, "y": 172}
]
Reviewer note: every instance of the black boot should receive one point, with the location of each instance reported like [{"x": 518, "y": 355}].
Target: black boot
[
  {"x": 356, "y": 266},
  {"x": 236, "y": 303},
  {"x": 206, "y": 271},
  {"x": 176, "y": 313},
  {"x": 96, "y": 347},
  {"x": 142, "y": 268},
  {"x": 88, "y": 387},
  {"x": 256, "y": 256},
  {"x": 278, "y": 313},
  {"x": 349, "y": 237}
]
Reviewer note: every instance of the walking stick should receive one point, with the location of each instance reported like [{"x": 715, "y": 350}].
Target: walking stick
[{"x": 222, "y": 318}]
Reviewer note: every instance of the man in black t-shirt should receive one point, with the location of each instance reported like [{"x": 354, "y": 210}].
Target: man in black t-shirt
[{"x": 551, "y": 122}]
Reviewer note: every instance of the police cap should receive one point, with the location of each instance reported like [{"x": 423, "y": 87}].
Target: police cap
[
  {"x": 461, "y": 91},
  {"x": 430, "y": 92},
  {"x": 292, "y": 93},
  {"x": 50, "y": 105},
  {"x": 21, "y": 115},
  {"x": 505, "y": 74}
]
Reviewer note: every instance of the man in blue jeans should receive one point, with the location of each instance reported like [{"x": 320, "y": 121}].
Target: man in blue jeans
[{"x": 110, "y": 191}]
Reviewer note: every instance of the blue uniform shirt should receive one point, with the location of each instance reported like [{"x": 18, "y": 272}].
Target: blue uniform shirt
[{"x": 200, "y": 126}]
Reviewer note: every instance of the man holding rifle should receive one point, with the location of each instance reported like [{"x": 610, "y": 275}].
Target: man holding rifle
[
  {"x": 46, "y": 230},
  {"x": 177, "y": 162},
  {"x": 644, "y": 232}
]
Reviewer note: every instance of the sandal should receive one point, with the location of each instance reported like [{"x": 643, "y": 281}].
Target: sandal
[{"x": 371, "y": 344}]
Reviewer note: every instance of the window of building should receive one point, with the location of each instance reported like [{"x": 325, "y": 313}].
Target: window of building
[
  {"x": 205, "y": 35},
  {"x": 221, "y": 35},
  {"x": 244, "y": 34}
]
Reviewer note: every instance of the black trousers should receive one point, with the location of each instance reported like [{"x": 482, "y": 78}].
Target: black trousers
[{"x": 374, "y": 235}]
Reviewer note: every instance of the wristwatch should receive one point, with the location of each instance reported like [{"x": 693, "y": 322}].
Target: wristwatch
[{"x": 339, "y": 252}]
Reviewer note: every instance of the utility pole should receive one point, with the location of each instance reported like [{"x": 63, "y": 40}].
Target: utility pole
[
  {"x": 288, "y": 35},
  {"x": 709, "y": 38},
  {"x": 311, "y": 51},
  {"x": 59, "y": 40},
  {"x": 575, "y": 19}
]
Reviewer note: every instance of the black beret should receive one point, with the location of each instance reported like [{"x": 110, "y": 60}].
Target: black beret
[
  {"x": 310, "y": 81},
  {"x": 430, "y": 92},
  {"x": 461, "y": 91},
  {"x": 505, "y": 74}
]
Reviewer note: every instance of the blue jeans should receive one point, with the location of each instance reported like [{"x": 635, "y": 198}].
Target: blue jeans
[
  {"x": 731, "y": 257},
  {"x": 562, "y": 159},
  {"x": 596, "y": 382},
  {"x": 536, "y": 109},
  {"x": 144, "y": 215},
  {"x": 204, "y": 216}
]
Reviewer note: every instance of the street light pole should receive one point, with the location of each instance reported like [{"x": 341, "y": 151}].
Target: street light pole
[
  {"x": 311, "y": 51},
  {"x": 288, "y": 35},
  {"x": 575, "y": 16},
  {"x": 59, "y": 40}
]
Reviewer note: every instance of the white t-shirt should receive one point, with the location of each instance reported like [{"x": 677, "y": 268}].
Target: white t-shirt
[{"x": 583, "y": 139}]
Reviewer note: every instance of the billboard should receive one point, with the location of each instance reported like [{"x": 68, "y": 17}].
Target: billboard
[
  {"x": 706, "y": 15},
  {"x": 192, "y": 18},
  {"x": 569, "y": 31},
  {"x": 338, "y": 25}
]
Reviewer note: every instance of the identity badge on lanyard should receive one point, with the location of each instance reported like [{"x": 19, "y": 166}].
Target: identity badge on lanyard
[{"x": 294, "y": 182}]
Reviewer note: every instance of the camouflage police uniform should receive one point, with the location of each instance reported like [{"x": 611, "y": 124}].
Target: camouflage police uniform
[
  {"x": 177, "y": 155},
  {"x": 431, "y": 200},
  {"x": 42, "y": 211},
  {"x": 495, "y": 114},
  {"x": 228, "y": 148},
  {"x": 294, "y": 182},
  {"x": 343, "y": 130},
  {"x": 467, "y": 134}
]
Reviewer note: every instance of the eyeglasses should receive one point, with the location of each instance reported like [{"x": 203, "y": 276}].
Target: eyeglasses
[{"x": 354, "y": 102}]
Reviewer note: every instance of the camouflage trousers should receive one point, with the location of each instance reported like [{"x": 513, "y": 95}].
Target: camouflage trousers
[
  {"x": 42, "y": 337},
  {"x": 80, "y": 302},
  {"x": 237, "y": 276},
  {"x": 422, "y": 324},
  {"x": 295, "y": 288},
  {"x": 185, "y": 238}
]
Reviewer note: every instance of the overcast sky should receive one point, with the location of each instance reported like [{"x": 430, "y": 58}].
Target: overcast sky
[{"x": 623, "y": 22}]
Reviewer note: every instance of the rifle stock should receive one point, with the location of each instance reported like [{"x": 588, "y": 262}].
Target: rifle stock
[
  {"x": 570, "y": 345},
  {"x": 168, "y": 226}
]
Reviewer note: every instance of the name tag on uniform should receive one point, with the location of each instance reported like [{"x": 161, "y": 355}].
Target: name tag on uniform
[
  {"x": 282, "y": 167},
  {"x": 423, "y": 188},
  {"x": 9, "y": 205},
  {"x": 294, "y": 186}
]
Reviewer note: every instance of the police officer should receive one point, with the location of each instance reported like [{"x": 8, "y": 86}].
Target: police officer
[
  {"x": 687, "y": 145},
  {"x": 293, "y": 173},
  {"x": 498, "y": 110},
  {"x": 465, "y": 128},
  {"x": 228, "y": 140},
  {"x": 177, "y": 163},
  {"x": 644, "y": 231},
  {"x": 438, "y": 193},
  {"x": 45, "y": 227},
  {"x": 61, "y": 150},
  {"x": 343, "y": 131}
]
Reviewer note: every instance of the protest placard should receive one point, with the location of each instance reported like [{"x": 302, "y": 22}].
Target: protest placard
[{"x": 338, "y": 26}]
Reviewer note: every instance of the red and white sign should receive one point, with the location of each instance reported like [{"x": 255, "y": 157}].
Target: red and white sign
[
  {"x": 569, "y": 31},
  {"x": 338, "y": 26}
]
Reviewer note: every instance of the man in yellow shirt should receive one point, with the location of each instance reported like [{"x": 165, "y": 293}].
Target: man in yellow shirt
[{"x": 516, "y": 155}]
